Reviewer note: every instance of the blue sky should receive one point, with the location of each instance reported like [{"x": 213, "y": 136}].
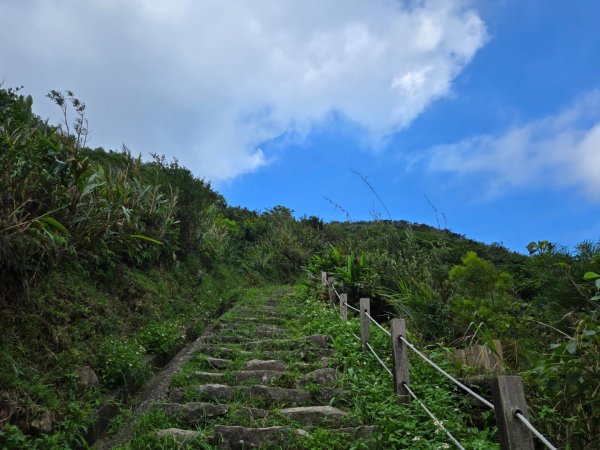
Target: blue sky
[{"x": 491, "y": 108}]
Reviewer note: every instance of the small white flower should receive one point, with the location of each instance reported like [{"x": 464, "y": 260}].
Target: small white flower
[{"x": 416, "y": 438}]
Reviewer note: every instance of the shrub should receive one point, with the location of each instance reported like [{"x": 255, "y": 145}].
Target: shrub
[
  {"x": 121, "y": 363},
  {"x": 161, "y": 338}
]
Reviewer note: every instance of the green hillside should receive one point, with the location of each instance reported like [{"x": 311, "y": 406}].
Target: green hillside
[{"x": 109, "y": 264}]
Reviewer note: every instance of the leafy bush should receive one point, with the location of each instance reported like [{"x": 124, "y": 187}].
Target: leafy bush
[
  {"x": 161, "y": 338},
  {"x": 121, "y": 362}
]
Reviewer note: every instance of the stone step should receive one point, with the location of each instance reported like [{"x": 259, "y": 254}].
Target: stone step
[
  {"x": 268, "y": 394},
  {"x": 319, "y": 376},
  {"x": 266, "y": 364},
  {"x": 306, "y": 354},
  {"x": 316, "y": 341},
  {"x": 195, "y": 412},
  {"x": 256, "y": 320},
  {"x": 230, "y": 437},
  {"x": 264, "y": 376},
  {"x": 324, "y": 416},
  {"x": 211, "y": 376},
  {"x": 218, "y": 363},
  {"x": 178, "y": 435}
]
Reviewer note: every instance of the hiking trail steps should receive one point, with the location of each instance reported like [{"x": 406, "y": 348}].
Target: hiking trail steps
[{"x": 254, "y": 383}]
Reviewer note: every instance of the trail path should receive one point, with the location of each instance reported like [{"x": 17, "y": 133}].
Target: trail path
[{"x": 250, "y": 382}]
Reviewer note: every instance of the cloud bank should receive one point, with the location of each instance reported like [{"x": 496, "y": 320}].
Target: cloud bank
[
  {"x": 210, "y": 81},
  {"x": 559, "y": 151}
]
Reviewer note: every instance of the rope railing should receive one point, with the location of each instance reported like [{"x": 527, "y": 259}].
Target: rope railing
[
  {"x": 377, "y": 324},
  {"x": 436, "y": 421},
  {"x": 352, "y": 308},
  {"x": 531, "y": 428},
  {"x": 380, "y": 360},
  {"x": 447, "y": 375},
  {"x": 509, "y": 397}
]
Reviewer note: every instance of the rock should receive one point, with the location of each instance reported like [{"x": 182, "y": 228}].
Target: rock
[
  {"x": 269, "y": 364},
  {"x": 264, "y": 376},
  {"x": 87, "y": 378},
  {"x": 327, "y": 362},
  {"x": 238, "y": 438},
  {"x": 319, "y": 376},
  {"x": 326, "y": 394},
  {"x": 219, "y": 391},
  {"x": 179, "y": 435},
  {"x": 43, "y": 424},
  {"x": 215, "y": 350},
  {"x": 176, "y": 395},
  {"x": 318, "y": 340},
  {"x": 253, "y": 413},
  {"x": 195, "y": 412},
  {"x": 219, "y": 363},
  {"x": 316, "y": 415},
  {"x": 280, "y": 395},
  {"x": 215, "y": 376}
]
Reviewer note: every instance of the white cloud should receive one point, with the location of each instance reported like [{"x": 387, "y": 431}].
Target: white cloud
[
  {"x": 561, "y": 150},
  {"x": 210, "y": 81}
]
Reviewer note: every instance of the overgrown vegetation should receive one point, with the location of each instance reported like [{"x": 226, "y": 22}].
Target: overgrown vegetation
[{"x": 111, "y": 263}]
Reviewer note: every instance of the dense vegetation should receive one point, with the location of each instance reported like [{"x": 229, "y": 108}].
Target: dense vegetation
[{"x": 106, "y": 260}]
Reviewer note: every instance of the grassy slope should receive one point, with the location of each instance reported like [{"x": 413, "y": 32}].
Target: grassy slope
[{"x": 72, "y": 320}]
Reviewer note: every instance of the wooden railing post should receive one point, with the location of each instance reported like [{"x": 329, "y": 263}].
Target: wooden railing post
[
  {"x": 324, "y": 278},
  {"x": 331, "y": 280},
  {"x": 365, "y": 324},
  {"x": 400, "y": 359},
  {"x": 509, "y": 397},
  {"x": 344, "y": 306}
]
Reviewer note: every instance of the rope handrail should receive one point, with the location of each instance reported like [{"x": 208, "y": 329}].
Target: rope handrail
[
  {"x": 379, "y": 359},
  {"x": 447, "y": 375},
  {"x": 336, "y": 292},
  {"x": 531, "y": 428},
  {"x": 436, "y": 422},
  {"x": 377, "y": 324},
  {"x": 352, "y": 308}
]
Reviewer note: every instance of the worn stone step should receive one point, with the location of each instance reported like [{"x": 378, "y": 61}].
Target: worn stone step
[
  {"x": 226, "y": 339},
  {"x": 305, "y": 355},
  {"x": 195, "y": 412},
  {"x": 264, "y": 376},
  {"x": 218, "y": 363},
  {"x": 324, "y": 416},
  {"x": 268, "y": 394},
  {"x": 319, "y": 376},
  {"x": 178, "y": 435},
  {"x": 256, "y": 320},
  {"x": 316, "y": 341},
  {"x": 211, "y": 376},
  {"x": 231, "y": 437},
  {"x": 266, "y": 364}
]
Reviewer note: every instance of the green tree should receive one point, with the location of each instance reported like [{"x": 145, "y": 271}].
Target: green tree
[{"x": 479, "y": 278}]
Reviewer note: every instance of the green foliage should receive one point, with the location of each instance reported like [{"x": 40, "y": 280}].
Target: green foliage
[
  {"x": 121, "y": 362},
  {"x": 161, "y": 338},
  {"x": 477, "y": 277}
]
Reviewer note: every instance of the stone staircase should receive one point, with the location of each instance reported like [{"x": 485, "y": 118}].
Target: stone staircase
[{"x": 255, "y": 384}]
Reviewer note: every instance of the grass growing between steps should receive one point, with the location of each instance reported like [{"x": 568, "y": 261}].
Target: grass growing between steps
[
  {"x": 120, "y": 327},
  {"x": 373, "y": 399},
  {"x": 369, "y": 399}
]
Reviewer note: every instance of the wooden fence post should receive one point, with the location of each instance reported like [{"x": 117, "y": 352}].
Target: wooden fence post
[
  {"x": 344, "y": 306},
  {"x": 331, "y": 280},
  {"x": 400, "y": 358},
  {"x": 509, "y": 397},
  {"x": 365, "y": 308},
  {"x": 324, "y": 278}
]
